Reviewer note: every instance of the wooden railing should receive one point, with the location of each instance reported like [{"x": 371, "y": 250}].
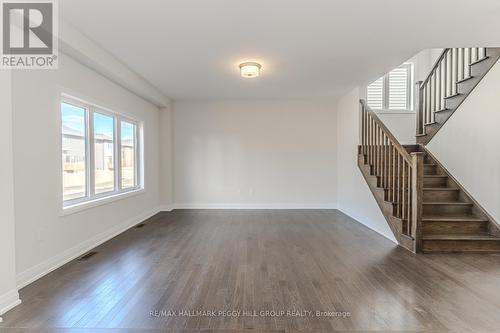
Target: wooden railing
[
  {"x": 451, "y": 67},
  {"x": 399, "y": 173}
]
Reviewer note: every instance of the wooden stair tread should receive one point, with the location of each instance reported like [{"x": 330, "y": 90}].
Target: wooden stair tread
[
  {"x": 472, "y": 237},
  {"x": 441, "y": 189},
  {"x": 453, "y": 219},
  {"x": 458, "y": 203}
]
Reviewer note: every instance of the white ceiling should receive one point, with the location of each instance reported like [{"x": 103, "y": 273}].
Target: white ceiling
[{"x": 308, "y": 48}]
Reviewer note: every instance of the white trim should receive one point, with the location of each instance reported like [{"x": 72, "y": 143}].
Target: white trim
[
  {"x": 34, "y": 273},
  {"x": 68, "y": 210},
  {"x": 90, "y": 196},
  {"x": 380, "y": 111},
  {"x": 253, "y": 206},
  {"x": 8, "y": 301}
]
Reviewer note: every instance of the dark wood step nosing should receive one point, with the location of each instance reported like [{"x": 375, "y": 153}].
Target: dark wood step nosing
[
  {"x": 466, "y": 79},
  {"x": 479, "y": 61},
  {"x": 442, "y": 110},
  {"x": 453, "y": 96},
  {"x": 444, "y": 219},
  {"x": 461, "y": 237},
  {"x": 446, "y": 203},
  {"x": 441, "y": 189}
]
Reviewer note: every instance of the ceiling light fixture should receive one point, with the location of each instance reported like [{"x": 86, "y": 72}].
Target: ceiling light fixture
[{"x": 250, "y": 69}]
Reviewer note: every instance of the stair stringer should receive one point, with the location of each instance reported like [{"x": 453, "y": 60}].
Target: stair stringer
[{"x": 395, "y": 224}]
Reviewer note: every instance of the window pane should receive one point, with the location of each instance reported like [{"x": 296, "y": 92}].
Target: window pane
[
  {"x": 399, "y": 93},
  {"x": 128, "y": 154},
  {"x": 375, "y": 94},
  {"x": 73, "y": 151},
  {"x": 104, "y": 162}
]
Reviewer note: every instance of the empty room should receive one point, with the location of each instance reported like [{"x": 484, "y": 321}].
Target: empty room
[{"x": 229, "y": 166}]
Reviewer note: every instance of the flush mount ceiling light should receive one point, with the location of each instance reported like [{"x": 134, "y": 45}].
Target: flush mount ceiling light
[{"x": 250, "y": 69}]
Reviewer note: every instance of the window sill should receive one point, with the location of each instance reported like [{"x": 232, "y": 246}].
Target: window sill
[
  {"x": 393, "y": 111},
  {"x": 68, "y": 210}
]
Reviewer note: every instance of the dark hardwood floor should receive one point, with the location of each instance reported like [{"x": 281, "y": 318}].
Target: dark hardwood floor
[{"x": 261, "y": 260}]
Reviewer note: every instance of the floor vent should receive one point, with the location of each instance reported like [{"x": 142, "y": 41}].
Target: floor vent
[
  {"x": 140, "y": 225},
  {"x": 87, "y": 256}
]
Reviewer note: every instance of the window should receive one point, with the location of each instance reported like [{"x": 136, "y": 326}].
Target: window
[
  {"x": 393, "y": 91},
  {"x": 128, "y": 134},
  {"x": 74, "y": 152},
  {"x": 99, "y": 152}
]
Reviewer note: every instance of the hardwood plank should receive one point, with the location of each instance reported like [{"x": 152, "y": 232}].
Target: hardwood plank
[{"x": 261, "y": 260}]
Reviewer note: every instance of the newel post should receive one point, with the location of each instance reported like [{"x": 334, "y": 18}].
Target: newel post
[
  {"x": 417, "y": 186},
  {"x": 419, "y": 108}
]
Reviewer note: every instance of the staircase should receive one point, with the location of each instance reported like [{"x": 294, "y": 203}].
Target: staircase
[
  {"x": 426, "y": 208},
  {"x": 454, "y": 75}
]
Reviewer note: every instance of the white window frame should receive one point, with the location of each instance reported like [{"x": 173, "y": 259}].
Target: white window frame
[
  {"x": 386, "y": 91},
  {"x": 92, "y": 199}
]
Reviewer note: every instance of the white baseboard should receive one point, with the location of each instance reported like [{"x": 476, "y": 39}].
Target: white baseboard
[
  {"x": 8, "y": 301},
  {"x": 34, "y": 273},
  {"x": 252, "y": 206}
]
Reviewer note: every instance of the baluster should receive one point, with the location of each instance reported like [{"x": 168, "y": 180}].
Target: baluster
[
  {"x": 371, "y": 144},
  {"x": 474, "y": 55},
  {"x": 399, "y": 186},
  {"x": 443, "y": 85},
  {"x": 438, "y": 87},
  {"x": 394, "y": 183},
  {"x": 363, "y": 116},
  {"x": 482, "y": 53},
  {"x": 424, "y": 106},
  {"x": 408, "y": 201},
  {"x": 467, "y": 61},
  {"x": 380, "y": 153},
  {"x": 454, "y": 73},
  {"x": 428, "y": 104},
  {"x": 377, "y": 152},
  {"x": 403, "y": 192},
  {"x": 389, "y": 173},
  {"x": 369, "y": 140},
  {"x": 460, "y": 64},
  {"x": 417, "y": 193},
  {"x": 432, "y": 95},
  {"x": 449, "y": 76},
  {"x": 384, "y": 165}
]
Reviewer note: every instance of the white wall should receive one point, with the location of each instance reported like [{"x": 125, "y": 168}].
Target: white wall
[
  {"x": 9, "y": 296},
  {"x": 166, "y": 154},
  {"x": 354, "y": 196},
  {"x": 469, "y": 143},
  {"x": 255, "y": 154},
  {"x": 43, "y": 238}
]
